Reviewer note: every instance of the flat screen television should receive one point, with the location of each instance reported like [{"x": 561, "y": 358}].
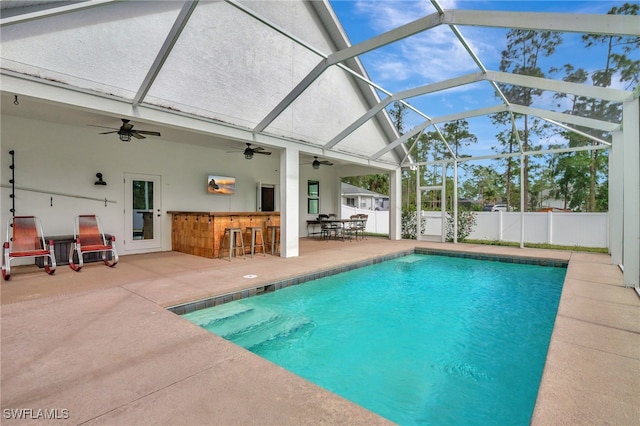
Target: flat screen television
[{"x": 221, "y": 185}]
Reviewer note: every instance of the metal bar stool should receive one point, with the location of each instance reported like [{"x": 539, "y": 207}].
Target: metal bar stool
[
  {"x": 273, "y": 231},
  {"x": 232, "y": 247},
  {"x": 254, "y": 231}
]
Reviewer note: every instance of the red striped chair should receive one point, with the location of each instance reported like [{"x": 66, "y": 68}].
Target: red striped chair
[
  {"x": 26, "y": 239},
  {"x": 88, "y": 237}
]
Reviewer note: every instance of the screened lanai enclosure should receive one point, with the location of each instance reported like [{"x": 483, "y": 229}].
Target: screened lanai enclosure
[{"x": 449, "y": 101}]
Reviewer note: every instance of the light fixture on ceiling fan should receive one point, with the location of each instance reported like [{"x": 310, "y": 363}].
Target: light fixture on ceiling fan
[
  {"x": 126, "y": 131},
  {"x": 316, "y": 163}
]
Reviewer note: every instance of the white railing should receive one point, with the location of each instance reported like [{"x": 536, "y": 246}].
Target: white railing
[{"x": 377, "y": 223}]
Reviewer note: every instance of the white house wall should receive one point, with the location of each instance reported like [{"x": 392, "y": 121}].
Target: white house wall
[
  {"x": 329, "y": 193},
  {"x": 65, "y": 159}
]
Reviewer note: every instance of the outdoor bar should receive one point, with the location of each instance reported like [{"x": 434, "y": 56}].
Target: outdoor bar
[{"x": 200, "y": 233}]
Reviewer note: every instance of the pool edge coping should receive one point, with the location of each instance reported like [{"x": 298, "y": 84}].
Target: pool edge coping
[{"x": 211, "y": 301}]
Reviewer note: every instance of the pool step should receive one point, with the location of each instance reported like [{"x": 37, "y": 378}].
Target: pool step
[
  {"x": 241, "y": 323},
  {"x": 280, "y": 329},
  {"x": 253, "y": 327},
  {"x": 209, "y": 316}
]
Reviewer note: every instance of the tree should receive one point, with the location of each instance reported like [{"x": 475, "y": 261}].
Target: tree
[
  {"x": 397, "y": 112},
  {"x": 484, "y": 184},
  {"x": 616, "y": 64},
  {"x": 524, "y": 49},
  {"x": 457, "y": 135}
]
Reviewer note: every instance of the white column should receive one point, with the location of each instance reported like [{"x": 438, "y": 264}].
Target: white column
[
  {"x": 290, "y": 202},
  {"x": 616, "y": 200},
  {"x": 522, "y": 206},
  {"x": 631, "y": 192},
  {"x": 443, "y": 204},
  {"x": 455, "y": 201},
  {"x": 395, "y": 204}
]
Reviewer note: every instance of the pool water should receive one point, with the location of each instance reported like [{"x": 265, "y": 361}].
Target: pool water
[{"x": 419, "y": 339}]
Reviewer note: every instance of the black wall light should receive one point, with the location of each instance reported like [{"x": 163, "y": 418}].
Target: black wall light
[{"x": 100, "y": 181}]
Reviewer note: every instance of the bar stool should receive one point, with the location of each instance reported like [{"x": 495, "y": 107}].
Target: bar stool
[
  {"x": 273, "y": 231},
  {"x": 232, "y": 246},
  {"x": 254, "y": 231}
]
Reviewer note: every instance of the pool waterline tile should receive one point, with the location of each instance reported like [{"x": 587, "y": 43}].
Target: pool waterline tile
[{"x": 266, "y": 288}]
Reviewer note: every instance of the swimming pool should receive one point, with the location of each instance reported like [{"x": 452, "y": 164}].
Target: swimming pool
[{"x": 418, "y": 339}]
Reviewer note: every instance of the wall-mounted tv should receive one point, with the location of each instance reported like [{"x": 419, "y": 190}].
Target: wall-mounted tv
[{"x": 221, "y": 185}]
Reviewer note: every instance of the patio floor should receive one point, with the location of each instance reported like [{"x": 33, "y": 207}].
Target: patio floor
[{"x": 98, "y": 347}]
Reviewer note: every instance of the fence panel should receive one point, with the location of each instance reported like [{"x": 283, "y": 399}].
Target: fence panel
[
  {"x": 583, "y": 229},
  {"x": 566, "y": 228},
  {"x": 377, "y": 222}
]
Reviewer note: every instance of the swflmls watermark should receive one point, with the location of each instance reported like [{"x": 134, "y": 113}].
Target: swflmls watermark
[{"x": 35, "y": 413}]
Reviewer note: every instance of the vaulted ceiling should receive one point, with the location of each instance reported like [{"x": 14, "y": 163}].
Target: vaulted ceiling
[{"x": 173, "y": 64}]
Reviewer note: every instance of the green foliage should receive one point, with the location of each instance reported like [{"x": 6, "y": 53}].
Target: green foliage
[
  {"x": 410, "y": 224},
  {"x": 466, "y": 222},
  {"x": 377, "y": 183}
]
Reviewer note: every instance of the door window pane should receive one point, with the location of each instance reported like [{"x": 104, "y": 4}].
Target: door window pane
[
  {"x": 142, "y": 192},
  {"x": 313, "y": 192}
]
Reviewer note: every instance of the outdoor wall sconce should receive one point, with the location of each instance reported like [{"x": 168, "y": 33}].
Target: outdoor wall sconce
[{"x": 100, "y": 181}]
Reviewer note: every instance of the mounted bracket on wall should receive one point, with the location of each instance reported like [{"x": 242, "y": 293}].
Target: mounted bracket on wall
[{"x": 12, "y": 181}]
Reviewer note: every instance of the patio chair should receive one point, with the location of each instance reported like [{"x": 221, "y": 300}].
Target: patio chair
[
  {"x": 353, "y": 226},
  {"x": 361, "y": 225},
  {"x": 26, "y": 239},
  {"x": 330, "y": 225},
  {"x": 88, "y": 237}
]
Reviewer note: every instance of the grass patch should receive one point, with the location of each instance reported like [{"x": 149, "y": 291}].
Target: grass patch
[{"x": 539, "y": 246}]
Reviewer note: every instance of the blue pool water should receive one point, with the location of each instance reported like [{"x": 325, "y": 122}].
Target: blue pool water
[{"x": 419, "y": 339}]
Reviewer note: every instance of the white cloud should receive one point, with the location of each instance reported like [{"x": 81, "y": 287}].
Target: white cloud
[{"x": 430, "y": 56}]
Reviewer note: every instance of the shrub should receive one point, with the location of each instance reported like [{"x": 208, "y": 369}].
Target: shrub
[
  {"x": 409, "y": 224},
  {"x": 466, "y": 222}
]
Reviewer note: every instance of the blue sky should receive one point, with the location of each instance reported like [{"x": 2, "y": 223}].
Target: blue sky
[{"x": 436, "y": 55}]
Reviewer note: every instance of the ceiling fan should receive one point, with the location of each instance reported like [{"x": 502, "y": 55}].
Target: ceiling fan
[
  {"x": 316, "y": 163},
  {"x": 126, "y": 131},
  {"x": 249, "y": 151}
]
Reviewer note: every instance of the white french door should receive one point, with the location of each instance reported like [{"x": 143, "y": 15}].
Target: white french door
[{"x": 143, "y": 212}]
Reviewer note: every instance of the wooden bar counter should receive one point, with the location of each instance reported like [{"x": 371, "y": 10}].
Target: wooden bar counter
[{"x": 199, "y": 233}]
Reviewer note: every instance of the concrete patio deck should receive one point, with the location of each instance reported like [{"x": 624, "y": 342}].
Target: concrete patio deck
[{"x": 99, "y": 347}]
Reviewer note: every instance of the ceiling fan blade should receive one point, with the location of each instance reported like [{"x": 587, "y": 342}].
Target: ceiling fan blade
[
  {"x": 106, "y": 133},
  {"x": 137, "y": 135},
  {"x": 261, "y": 152},
  {"x": 326, "y": 163},
  {"x": 127, "y": 126},
  {"x": 147, "y": 132}
]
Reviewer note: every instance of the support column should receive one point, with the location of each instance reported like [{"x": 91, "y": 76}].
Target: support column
[
  {"x": 522, "y": 206},
  {"x": 290, "y": 203},
  {"x": 616, "y": 200},
  {"x": 455, "y": 202},
  {"x": 395, "y": 204},
  {"x": 631, "y": 192}
]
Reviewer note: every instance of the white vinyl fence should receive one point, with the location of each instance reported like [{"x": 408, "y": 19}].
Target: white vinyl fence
[
  {"x": 561, "y": 228},
  {"x": 377, "y": 223}
]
